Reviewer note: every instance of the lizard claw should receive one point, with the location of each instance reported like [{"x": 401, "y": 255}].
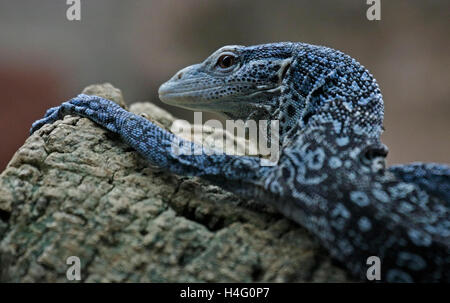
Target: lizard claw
[
  {"x": 93, "y": 107},
  {"x": 50, "y": 117}
]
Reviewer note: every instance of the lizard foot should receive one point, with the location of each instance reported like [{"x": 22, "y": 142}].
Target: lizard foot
[{"x": 93, "y": 107}]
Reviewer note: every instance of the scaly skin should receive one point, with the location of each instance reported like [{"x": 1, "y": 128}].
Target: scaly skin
[{"x": 331, "y": 176}]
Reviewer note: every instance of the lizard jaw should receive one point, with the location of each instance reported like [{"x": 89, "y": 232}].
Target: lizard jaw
[{"x": 191, "y": 96}]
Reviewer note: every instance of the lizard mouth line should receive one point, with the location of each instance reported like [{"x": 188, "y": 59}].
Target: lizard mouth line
[
  {"x": 182, "y": 93},
  {"x": 169, "y": 95}
]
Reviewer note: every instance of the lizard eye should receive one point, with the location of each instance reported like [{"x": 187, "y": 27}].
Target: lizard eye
[{"x": 225, "y": 61}]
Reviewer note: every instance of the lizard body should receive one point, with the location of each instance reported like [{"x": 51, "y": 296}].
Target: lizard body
[{"x": 331, "y": 176}]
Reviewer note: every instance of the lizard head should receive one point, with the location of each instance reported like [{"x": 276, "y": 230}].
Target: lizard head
[{"x": 236, "y": 81}]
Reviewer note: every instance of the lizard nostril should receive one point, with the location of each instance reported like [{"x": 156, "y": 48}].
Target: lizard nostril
[{"x": 180, "y": 74}]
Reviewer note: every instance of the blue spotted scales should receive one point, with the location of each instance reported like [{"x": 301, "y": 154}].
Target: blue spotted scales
[{"x": 331, "y": 176}]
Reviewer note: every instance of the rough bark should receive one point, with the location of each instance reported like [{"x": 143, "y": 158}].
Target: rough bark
[{"x": 75, "y": 189}]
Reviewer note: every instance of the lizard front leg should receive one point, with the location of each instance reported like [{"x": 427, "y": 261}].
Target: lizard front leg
[{"x": 160, "y": 147}]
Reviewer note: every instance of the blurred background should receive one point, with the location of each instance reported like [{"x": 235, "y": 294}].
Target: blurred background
[{"x": 136, "y": 45}]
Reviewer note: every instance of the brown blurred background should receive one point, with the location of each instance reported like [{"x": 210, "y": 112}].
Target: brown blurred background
[{"x": 136, "y": 45}]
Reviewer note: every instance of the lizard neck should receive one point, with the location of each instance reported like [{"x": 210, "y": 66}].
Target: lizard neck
[{"x": 324, "y": 85}]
